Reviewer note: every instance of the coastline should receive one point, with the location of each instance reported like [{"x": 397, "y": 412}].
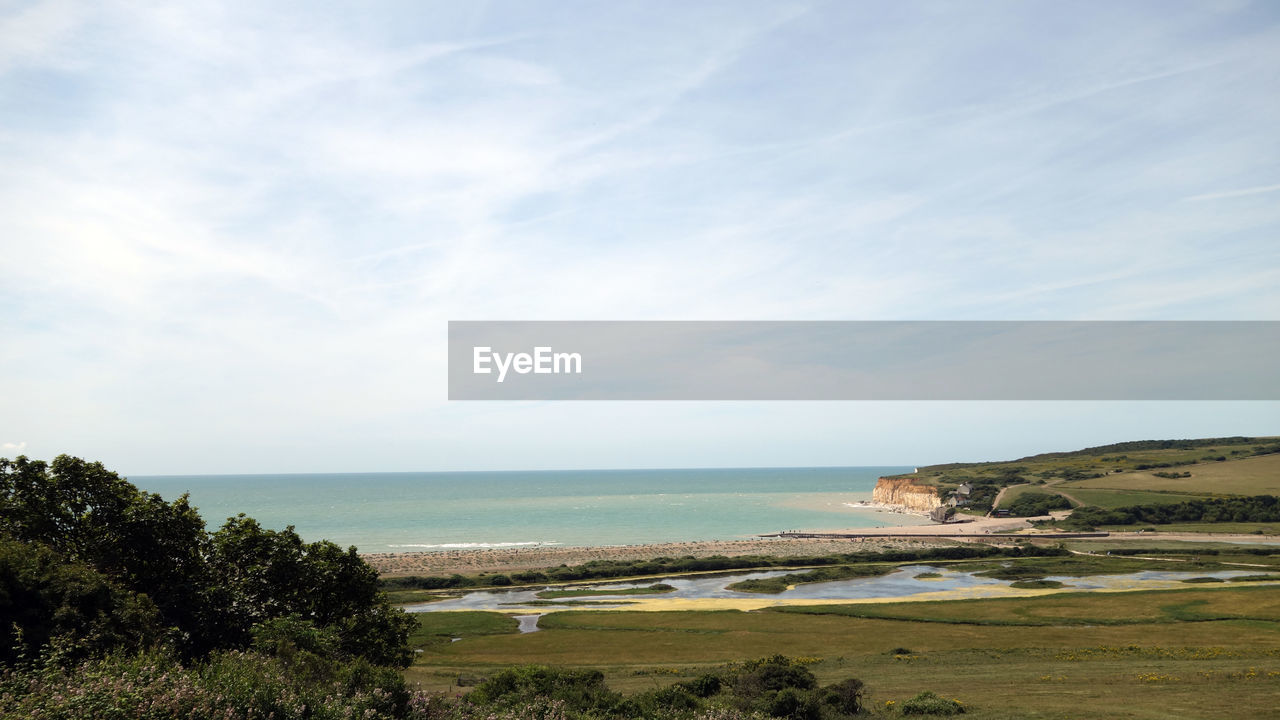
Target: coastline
[
  {"x": 502, "y": 560},
  {"x": 911, "y": 529}
]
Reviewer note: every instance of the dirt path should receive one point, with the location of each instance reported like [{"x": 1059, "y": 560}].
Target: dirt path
[
  {"x": 1054, "y": 485},
  {"x": 1000, "y": 495}
]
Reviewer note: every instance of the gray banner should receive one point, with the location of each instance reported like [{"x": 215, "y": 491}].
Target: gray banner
[{"x": 915, "y": 360}]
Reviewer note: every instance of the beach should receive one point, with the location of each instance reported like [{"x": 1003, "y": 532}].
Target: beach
[{"x": 490, "y": 560}]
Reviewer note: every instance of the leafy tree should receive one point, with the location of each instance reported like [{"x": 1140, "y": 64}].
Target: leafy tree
[
  {"x": 91, "y": 515},
  {"x": 68, "y": 608},
  {"x": 272, "y": 574},
  {"x": 208, "y": 591}
]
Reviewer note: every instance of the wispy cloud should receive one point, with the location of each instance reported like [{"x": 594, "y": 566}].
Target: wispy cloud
[
  {"x": 246, "y": 225},
  {"x": 1243, "y": 192}
]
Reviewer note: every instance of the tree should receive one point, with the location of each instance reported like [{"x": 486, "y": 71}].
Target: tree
[
  {"x": 208, "y": 591},
  {"x": 67, "y": 607},
  {"x": 273, "y": 574}
]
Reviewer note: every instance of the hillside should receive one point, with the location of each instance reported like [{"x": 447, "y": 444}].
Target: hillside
[{"x": 1121, "y": 474}]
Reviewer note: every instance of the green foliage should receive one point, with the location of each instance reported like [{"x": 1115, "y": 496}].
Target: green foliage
[
  {"x": 90, "y": 515},
  {"x": 705, "y": 685},
  {"x": 844, "y": 697},
  {"x": 577, "y": 689},
  {"x": 153, "y": 686},
  {"x": 776, "y": 686},
  {"x": 777, "y": 672},
  {"x": 1031, "y": 504},
  {"x": 67, "y": 608},
  {"x": 275, "y": 575},
  {"x": 95, "y": 563},
  {"x": 783, "y": 687},
  {"x": 928, "y": 703},
  {"x": 1257, "y": 508}
]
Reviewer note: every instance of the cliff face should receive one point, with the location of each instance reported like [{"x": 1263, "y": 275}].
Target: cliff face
[{"x": 902, "y": 491}]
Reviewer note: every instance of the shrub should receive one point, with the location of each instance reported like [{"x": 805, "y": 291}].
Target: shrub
[
  {"x": 792, "y": 704},
  {"x": 773, "y": 673},
  {"x": 928, "y": 703},
  {"x": 704, "y": 685},
  {"x": 577, "y": 689},
  {"x": 844, "y": 697}
]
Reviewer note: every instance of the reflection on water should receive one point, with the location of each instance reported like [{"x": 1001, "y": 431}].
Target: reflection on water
[{"x": 902, "y": 583}]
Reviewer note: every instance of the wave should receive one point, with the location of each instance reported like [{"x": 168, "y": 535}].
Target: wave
[{"x": 475, "y": 545}]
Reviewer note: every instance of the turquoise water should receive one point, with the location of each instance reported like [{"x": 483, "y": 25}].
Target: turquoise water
[{"x": 389, "y": 512}]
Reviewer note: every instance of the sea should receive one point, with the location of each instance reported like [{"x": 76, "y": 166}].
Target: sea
[{"x": 425, "y": 511}]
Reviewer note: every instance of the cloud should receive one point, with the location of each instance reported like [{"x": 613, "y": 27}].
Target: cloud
[
  {"x": 225, "y": 223},
  {"x": 13, "y": 447},
  {"x": 1243, "y": 192}
]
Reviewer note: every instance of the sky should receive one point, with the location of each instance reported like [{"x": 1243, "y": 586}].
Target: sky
[{"x": 232, "y": 234}]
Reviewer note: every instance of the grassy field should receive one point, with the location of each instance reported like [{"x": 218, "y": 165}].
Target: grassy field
[
  {"x": 1246, "y": 476},
  {"x": 1122, "y": 498},
  {"x": 1131, "y": 466},
  {"x": 441, "y": 627},
  {"x": 1195, "y": 653},
  {"x": 1219, "y": 552},
  {"x": 1013, "y": 493},
  {"x": 1241, "y": 528}
]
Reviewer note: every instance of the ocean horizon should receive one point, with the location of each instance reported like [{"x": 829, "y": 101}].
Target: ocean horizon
[{"x": 437, "y": 511}]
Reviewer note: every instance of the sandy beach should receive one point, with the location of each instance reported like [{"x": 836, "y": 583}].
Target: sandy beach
[{"x": 473, "y": 561}]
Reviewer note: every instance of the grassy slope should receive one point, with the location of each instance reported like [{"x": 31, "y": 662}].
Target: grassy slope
[
  {"x": 1246, "y": 476},
  {"x": 1122, "y": 498},
  {"x": 1107, "y": 461},
  {"x": 1120, "y": 483}
]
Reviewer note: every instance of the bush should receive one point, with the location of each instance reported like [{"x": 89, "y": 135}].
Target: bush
[
  {"x": 773, "y": 673},
  {"x": 578, "y": 689},
  {"x": 153, "y": 686},
  {"x": 1030, "y": 504},
  {"x": 928, "y": 703},
  {"x": 704, "y": 685},
  {"x": 792, "y": 704},
  {"x": 844, "y": 697}
]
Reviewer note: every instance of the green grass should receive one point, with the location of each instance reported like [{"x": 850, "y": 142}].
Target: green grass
[
  {"x": 1151, "y": 654},
  {"x": 1235, "y": 528},
  {"x": 655, "y": 589},
  {"x": 439, "y": 627},
  {"x": 1122, "y": 498},
  {"x": 1082, "y": 608},
  {"x": 1248, "y": 476}
]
